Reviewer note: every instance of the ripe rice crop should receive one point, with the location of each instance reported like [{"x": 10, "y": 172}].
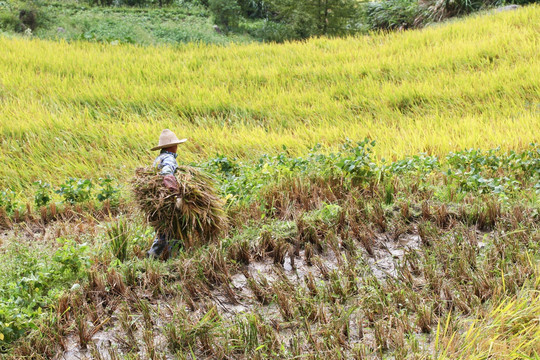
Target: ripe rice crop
[
  {"x": 87, "y": 109},
  {"x": 200, "y": 215}
]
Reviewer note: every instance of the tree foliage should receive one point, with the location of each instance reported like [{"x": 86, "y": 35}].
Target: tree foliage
[
  {"x": 226, "y": 13},
  {"x": 318, "y": 17},
  {"x": 254, "y": 9}
]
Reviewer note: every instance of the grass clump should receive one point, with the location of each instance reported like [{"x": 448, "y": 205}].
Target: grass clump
[
  {"x": 118, "y": 234},
  {"x": 509, "y": 330}
]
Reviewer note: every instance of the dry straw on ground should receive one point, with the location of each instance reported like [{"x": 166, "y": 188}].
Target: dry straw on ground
[{"x": 198, "y": 217}]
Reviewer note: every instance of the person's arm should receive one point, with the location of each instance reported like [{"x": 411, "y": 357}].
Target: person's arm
[{"x": 169, "y": 166}]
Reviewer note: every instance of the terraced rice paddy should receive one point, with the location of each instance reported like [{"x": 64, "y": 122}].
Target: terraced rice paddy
[
  {"x": 406, "y": 247},
  {"x": 85, "y": 109}
]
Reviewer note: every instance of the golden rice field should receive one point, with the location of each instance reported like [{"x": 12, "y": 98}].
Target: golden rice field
[{"x": 87, "y": 109}]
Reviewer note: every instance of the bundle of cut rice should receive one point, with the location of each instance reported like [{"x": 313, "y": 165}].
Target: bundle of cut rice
[{"x": 198, "y": 215}]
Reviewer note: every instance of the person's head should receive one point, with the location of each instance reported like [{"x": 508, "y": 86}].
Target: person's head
[
  {"x": 172, "y": 149},
  {"x": 168, "y": 141}
]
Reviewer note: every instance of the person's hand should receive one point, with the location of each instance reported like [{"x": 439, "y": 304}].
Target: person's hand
[
  {"x": 178, "y": 204},
  {"x": 170, "y": 183}
]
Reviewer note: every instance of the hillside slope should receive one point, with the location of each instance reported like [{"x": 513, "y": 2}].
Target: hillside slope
[{"x": 86, "y": 109}]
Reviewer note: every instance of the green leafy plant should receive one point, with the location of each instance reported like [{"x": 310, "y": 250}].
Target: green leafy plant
[
  {"x": 356, "y": 161},
  {"x": 8, "y": 201},
  {"x": 75, "y": 190},
  {"x": 107, "y": 191},
  {"x": 42, "y": 196},
  {"x": 72, "y": 256},
  {"x": 30, "y": 282},
  {"x": 224, "y": 164}
]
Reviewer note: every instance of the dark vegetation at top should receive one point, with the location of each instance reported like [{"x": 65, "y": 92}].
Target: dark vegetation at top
[{"x": 178, "y": 21}]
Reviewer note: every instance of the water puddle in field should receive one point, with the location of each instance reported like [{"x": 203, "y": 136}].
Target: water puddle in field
[
  {"x": 383, "y": 263},
  {"x": 111, "y": 341}
]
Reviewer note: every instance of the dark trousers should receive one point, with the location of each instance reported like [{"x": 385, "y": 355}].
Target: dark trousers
[{"x": 162, "y": 244}]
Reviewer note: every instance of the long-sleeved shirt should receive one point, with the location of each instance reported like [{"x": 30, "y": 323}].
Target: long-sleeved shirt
[{"x": 166, "y": 163}]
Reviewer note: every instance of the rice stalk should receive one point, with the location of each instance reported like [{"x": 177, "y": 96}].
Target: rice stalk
[{"x": 197, "y": 217}]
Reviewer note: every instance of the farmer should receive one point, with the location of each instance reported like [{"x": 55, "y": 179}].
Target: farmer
[{"x": 166, "y": 164}]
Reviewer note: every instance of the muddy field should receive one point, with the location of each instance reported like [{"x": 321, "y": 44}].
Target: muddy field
[
  {"x": 240, "y": 298},
  {"x": 414, "y": 266}
]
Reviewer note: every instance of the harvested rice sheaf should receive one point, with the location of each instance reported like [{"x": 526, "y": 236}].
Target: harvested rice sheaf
[{"x": 197, "y": 218}]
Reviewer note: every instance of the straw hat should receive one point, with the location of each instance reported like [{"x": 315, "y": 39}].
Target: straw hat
[{"x": 166, "y": 139}]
